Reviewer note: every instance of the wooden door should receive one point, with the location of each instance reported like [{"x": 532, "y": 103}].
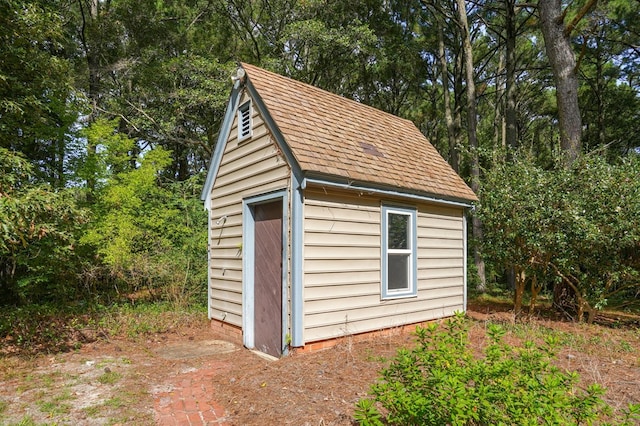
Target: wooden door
[{"x": 268, "y": 278}]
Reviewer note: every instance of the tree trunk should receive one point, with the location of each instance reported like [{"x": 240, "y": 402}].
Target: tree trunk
[
  {"x": 473, "y": 139},
  {"x": 563, "y": 65},
  {"x": 499, "y": 122},
  {"x": 452, "y": 130},
  {"x": 536, "y": 288},
  {"x": 89, "y": 17},
  {"x": 519, "y": 290},
  {"x": 510, "y": 108}
]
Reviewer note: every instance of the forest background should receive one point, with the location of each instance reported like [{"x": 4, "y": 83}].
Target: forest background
[{"x": 110, "y": 110}]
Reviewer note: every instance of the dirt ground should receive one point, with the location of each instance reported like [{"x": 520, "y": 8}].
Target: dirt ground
[{"x": 115, "y": 381}]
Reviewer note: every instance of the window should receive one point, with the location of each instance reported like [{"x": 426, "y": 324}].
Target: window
[
  {"x": 244, "y": 121},
  {"x": 398, "y": 252}
]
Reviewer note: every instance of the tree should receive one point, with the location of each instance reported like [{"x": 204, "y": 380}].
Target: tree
[
  {"x": 608, "y": 60},
  {"x": 147, "y": 234},
  {"x": 473, "y": 139},
  {"x": 563, "y": 64},
  {"x": 36, "y": 103}
]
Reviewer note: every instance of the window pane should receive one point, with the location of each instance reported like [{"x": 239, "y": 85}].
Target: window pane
[
  {"x": 398, "y": 231},
  {"x": 398, "y": 272}
]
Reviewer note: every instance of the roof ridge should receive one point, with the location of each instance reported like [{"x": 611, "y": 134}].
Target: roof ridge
[{"x": 327, "y": 93}]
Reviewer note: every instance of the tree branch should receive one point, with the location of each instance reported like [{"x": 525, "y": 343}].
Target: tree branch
[{"x": 572, "y": 25}]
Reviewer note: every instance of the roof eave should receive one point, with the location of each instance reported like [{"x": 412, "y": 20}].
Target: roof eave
[
  {"x": 221, "y": 142},
  {"x": 381, "y": 189}
]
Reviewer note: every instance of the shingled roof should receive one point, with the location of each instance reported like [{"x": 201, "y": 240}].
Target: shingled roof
[{"x": 334, "y": 136}]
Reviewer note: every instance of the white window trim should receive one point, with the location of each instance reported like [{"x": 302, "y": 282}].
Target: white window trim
[
  {"x": 243, "y": 109},
  {"x": 412, "y": 290}
]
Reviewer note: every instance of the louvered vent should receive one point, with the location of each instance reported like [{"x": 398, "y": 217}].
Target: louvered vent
[{"x": 244, "y": 121}]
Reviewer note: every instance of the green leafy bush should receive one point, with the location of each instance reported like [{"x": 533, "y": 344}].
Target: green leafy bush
[
  {"x": 149, "y": 233},
  {"x": 39, "y": 232},
  {"x": 570, "y": 230},
  {"x": 440, "y": 382}
]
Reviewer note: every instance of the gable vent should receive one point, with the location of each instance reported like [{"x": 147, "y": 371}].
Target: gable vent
[{"x": 244, "y": 121}]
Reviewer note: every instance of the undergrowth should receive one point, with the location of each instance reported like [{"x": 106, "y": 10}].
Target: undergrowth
[
  {"x": 440, "y": 382},
  {"x": 49, "y": 328}
]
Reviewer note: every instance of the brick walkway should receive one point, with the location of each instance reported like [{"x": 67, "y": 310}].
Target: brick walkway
[{"x": 190, "y": 401}]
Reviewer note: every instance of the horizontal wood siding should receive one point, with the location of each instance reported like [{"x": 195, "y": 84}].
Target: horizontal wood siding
[
  {"x": 342, "y": 265},
  {"x": 251, "y": 167}
]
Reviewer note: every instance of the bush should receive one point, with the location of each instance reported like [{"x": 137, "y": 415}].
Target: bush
[
  {"x": 39, "y": 232},
  {"x": 149, "y": 233},
  {"x": 573, "y": 230},
  {"x": 440, "y": 382}
]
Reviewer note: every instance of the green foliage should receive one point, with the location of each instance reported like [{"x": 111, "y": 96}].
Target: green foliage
[
  {"x": 109, "y": 377},
  {"x": 36, "y": 105},
  {"x": 149, "y": 234},
  {"x": 575, "y": 227},
  {"x": 39, "y": 229},
  {"x": 440, "y": 382}
]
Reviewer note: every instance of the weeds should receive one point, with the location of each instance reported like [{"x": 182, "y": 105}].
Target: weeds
[
  {"x": 57, "y": 405},
  {"x": 37, "y": 329},
  {"x": 625, "y": 346},
  {"x": 109, "y": 377},
  {"x": 441, "y": 382}
]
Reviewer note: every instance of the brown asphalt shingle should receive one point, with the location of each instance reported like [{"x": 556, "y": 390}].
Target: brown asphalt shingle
[{"x": 326, "y": 133}]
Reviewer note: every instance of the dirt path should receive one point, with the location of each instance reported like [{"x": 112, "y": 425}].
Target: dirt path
[{"x": 165, "y": 380}]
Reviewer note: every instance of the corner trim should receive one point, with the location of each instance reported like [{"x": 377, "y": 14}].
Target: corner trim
[
  {"x": 297, "y": 244},
  {"x": 464, "y": 262}
]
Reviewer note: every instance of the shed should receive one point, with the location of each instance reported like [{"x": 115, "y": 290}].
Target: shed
[{"x": 327, "y": 218}]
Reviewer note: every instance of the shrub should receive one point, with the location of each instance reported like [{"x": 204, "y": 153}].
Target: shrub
[
  {"x": 574, "y": 230},
  {"x": 440, "y": 382},
  {"x": 149, "y": 233},
  {"x": 39, "y": 232}
]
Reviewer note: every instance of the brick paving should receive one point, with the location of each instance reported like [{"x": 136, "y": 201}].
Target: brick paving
[{"x": 190, "y": 400}]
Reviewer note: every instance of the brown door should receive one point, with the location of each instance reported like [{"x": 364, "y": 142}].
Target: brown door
[{"x": 268, "y": 278}]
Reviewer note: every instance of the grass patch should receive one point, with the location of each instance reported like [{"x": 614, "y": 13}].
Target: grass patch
[
  {"x": 109, "y": 378},
  {"x": 115, "y": 402},
  {"x": 52, "y": 408},
  {"x": 625, "y": 346},
  {"x": 56, "y": 406},
  {"x": 92, "y": 411},
  {"x": 27, "y": 421},
  {"x": 142, "y": 319}
]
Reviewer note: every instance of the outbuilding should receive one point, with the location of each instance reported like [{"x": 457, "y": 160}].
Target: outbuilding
[{"x": 327, "y": 218}]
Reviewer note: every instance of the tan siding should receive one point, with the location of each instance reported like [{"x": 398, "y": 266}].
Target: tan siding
[
  {"x": 248, "y": 168},
  {"x": 431, "y": 273},
  {"x": 325, "y": 278},
  {"x": 441, "y": 254},
  {"x": 342, "y": 240},
  {"x": 341, "y": 291},
  {"x": 337, "y": 265},
  {"x": 341, "y": 323},
  {"x": 342, "y": 266}
]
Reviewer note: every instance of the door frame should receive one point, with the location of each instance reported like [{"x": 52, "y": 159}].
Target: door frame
[{"x": 248, "y": 264}]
